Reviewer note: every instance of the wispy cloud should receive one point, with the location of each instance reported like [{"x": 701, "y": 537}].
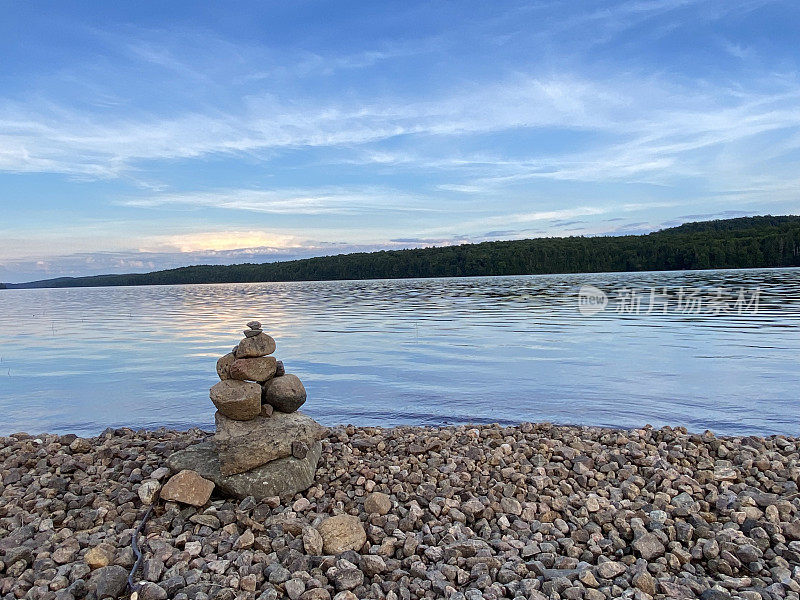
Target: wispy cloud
[{"x": 313, "y": 201}]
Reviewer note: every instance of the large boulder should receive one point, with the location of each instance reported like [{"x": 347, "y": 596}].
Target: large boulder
[
  {"x": 253, "y": 347},
  {"x": 285, "y": 393},
  {"x": 283, "y": 477},
  {"x": 253, "y": 369},
  {"x": 240, "y": 400},
  {"x": 244, "y": 445}
]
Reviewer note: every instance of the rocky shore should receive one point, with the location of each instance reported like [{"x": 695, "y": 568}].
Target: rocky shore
[{"x": 533, "y": 511}]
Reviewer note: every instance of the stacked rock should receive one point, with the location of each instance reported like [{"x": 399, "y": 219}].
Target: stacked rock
[{"x": 263, "y": 446}]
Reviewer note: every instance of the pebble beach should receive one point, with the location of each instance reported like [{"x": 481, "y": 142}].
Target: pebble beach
[{"x": 531, "y": 511}]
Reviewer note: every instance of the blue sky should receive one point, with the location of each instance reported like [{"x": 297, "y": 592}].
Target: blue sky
[{"x": 153, "y": 135}]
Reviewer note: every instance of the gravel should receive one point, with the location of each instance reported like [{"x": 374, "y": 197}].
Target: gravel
[{"x": 532, "y": 511}]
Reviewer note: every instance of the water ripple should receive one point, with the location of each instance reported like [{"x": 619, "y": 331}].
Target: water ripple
[{"x": 420, "y": 351}]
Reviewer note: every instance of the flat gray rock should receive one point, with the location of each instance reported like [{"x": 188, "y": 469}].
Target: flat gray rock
[
  {"x": 245, "y": 445},
  {"x": 283, "y": 477}
]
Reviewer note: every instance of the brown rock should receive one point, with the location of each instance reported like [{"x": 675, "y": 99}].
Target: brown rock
[
  {"x": 187, "y": 487},
  {"x": 645, "y": 582},
  {"x": 240, "y": 400},
  {"x": 253, "y": 347},
  {"x": 99, "y": 556},
  {"x": 342, "y": 533},
  {"x": 648, "y": 546},
  {"x": 223, "y": 364},
  {"x": 244, "y": 445},
  {"x": 253, "y": 369},
  {"x": 80, "y": 446},
  {"x": 377, "y": 503},
  {"x": 285, "y": 393}
]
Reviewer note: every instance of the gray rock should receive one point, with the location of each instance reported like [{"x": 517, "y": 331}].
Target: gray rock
[
  {"x": 712, "y": 594},
  {"x": 648, "y": 546},
  {"x": 610, "y": 569},
  {"x": 111, "y": 581},
  {"x": 253, "y": 347},
  {"x": 285, "y": 393},
  {"x": 22, "y": 553},
  {"x": 244, "y": 445},
  {"x": 254, "y": 325},
  {"x": 278, "y": 574},
  {"x": 372, "y": 564},
  {"x": 251, "y": 332},
  {"x": 299, "y": 449},
  {"x": 148, "y": 491},
  {"x": 294, "y": 588},
  {"x": 345, "y": 575},
  {"x": 312, "y": 541},
  {"x": 152, "y": 591},
  {"x": 240, "y": 400},
  {"x": 283, "y": 477},
  {"x": 280, "y": 369}
]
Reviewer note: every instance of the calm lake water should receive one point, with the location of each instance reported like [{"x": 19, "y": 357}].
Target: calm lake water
[{"x": 423, "y": 351}]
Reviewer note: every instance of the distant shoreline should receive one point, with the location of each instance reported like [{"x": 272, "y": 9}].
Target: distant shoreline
[{"x": 746, "y": 242}]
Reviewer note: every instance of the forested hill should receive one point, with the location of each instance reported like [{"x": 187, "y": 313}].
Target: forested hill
[{"x": 731, "y": 243}]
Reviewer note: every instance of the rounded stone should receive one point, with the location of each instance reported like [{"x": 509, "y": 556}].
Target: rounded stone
[
  {"x": 285, "y": 393},
  {"x": 342, "y": 533},
  {"x": 238, "y": 400},
  {"x": 99, "y": 556},
  {"x": 377, "y": 503}
]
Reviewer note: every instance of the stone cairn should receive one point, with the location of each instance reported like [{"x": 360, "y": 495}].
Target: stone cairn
[{"x": 263, "y": 447}]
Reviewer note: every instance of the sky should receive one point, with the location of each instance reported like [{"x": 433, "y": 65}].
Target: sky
[{"x": 148, "y": 135}]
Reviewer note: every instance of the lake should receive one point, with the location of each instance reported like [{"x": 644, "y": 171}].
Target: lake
[{"x": 677, "y": 348}]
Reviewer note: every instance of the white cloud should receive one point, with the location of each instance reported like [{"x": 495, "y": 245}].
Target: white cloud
[{"x": 312, "y": 201}]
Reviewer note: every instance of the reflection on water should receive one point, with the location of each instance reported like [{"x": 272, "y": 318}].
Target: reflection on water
[{"x": 422, "y": 351}]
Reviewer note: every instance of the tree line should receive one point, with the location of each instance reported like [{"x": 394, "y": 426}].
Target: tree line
[{"x": 746, "y": 242}]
